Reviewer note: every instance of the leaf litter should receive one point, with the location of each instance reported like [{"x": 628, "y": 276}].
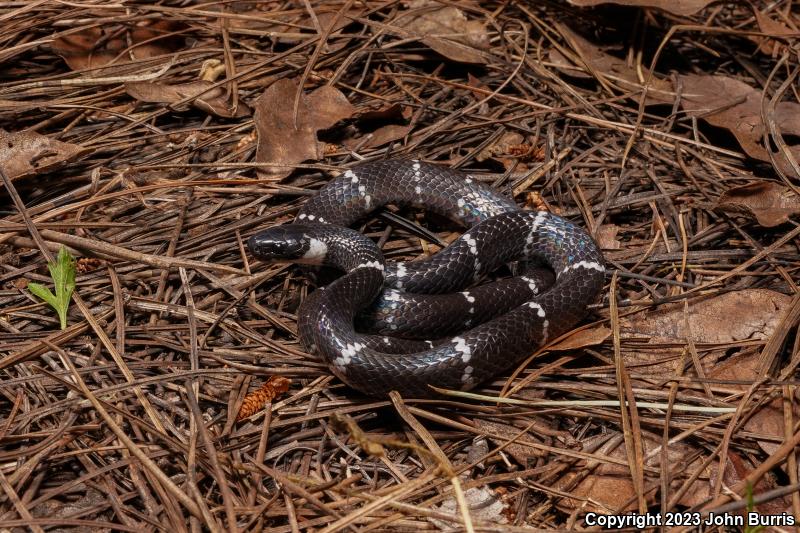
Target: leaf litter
[
  {"x": 142, "y": 167},
  {"x": 286, "y": 138},
  {"x": 769, "y": 203},
  {"x": 26, "y": 153}
]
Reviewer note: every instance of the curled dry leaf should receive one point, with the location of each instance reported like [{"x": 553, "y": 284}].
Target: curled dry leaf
[
  {"x": 609, "y": 67},
  {"x": 446, "y": 30},
  {"x": 286, "y": 143},
  {"x": 99, "y": 46},
  {"x": 678, "y": 7},
  {"x": 732, "y": 104},
  {"x": 379, "y": 126},
  {"x": 768, "y": 202},
  {"x": 379, "y": 137},
  {"x": 26, "y": 153},
  {"x": 212, "y": 101}
]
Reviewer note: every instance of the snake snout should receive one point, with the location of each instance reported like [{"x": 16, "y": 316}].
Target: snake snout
[{"x": 279, "y": 243}]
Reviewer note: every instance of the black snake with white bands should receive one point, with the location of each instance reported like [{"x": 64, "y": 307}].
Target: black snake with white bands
[{"x": 498, "y": 233}]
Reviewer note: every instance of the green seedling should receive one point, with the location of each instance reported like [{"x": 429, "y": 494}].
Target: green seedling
[
  {"x": 63, "y": 273},
  {"x": 751, "y": 506}
]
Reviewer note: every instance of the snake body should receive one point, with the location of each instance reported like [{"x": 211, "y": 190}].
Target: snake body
[{"x": 498, "y": 233}]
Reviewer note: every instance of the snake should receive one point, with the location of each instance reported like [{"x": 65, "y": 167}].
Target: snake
[{"x": 517, "y": 315}]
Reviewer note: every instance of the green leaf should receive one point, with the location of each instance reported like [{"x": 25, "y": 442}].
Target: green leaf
[
  {"x": 750, "y": 508},
  {"x": 63, "y": 273}
]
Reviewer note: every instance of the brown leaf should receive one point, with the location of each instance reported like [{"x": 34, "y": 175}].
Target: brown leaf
[
  {"x": 608, "y": 487},
  {"x": 678, "y": 7},
  {"x": 477, "y": 83},
  {"x": 88, "y": 264},
  {"x": 519, "y": 451},
  {"x": 279, "y": 141},
  {"x": 736, "y": 469},
  {"x": 483, "y": 504},
  {"x": 767, "y": 420},
  {"x": 99, "y": 46},
  {"x": 774, "y": 28},
  {"x": 379, "y": 137},
  {"x": 26, "y": 153},
  {"x": 501, "y": 146},
  {"x": 379, "y": 126},
  {"x": 212, "y": 101},
  {"x": 293, "y": 26},
  {"x": 582, "y": 338},
  {"x": 383, "y": 113},
  {"x": 446, "y": 30},
  {"x": 729, "y": 317},
  {"x": 610, "y": 67},
  {"x": 607, "y": 237},
  {"x": 732, "y": 104},
  {"x": 769, "y": 203}
]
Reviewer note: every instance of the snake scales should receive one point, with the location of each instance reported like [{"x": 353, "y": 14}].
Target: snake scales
[{"x": 507, "y": 319}]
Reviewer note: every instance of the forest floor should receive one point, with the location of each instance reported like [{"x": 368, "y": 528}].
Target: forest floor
[{"x": 150, "y": 140}]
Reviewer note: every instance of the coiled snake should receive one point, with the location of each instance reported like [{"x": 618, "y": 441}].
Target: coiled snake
[{"x": 517, "y": 319}]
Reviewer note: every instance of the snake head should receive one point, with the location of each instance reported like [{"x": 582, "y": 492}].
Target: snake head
[{"x": 289, "y": 242}]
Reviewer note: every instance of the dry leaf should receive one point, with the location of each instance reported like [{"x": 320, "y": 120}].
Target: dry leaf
[
  {"x": 212, "y": 101},
  {"x": 501, "y": 146},
  {"x": 560, "y": 61},
  {"x": 769, "y": 203},
  {"x": 519, "y": 451},
  {"x": 99, "y": 46},
  {"x": 729, "y": 317},
  {"x": 477, "y": 83},
  {"x": 582, "y": 338},
  {"x": 379, "y": 137},
  {"x": 88, "y": 264},
  {"x": 445, "y": 29},
  {"x": 607, "y": 237},
  {"x": 608, "y": 488},
  {"x": 382, "y": 114},
  {"x": 773, "y": 28},
  {"x": 293, "y": 26},
  {"x": 373, "y": 127},
  {"x": 26, "y": 153},
  {"x": 736, "y": 469},
  {"x": 732, "y": 104},
  {"x": 678, "y": 7},
  {"x": 483, "y": 503},
  {"x": 767, "y": 421},
  {"x": 611, "y": 67},
  {"x": 279, "y": 141}
]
